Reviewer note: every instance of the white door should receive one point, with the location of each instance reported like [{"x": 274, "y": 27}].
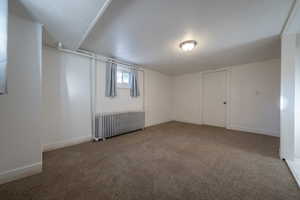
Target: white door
[{"x": 214, "y": 101}]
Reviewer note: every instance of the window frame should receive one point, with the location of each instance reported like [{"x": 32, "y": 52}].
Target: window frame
[
  {"x": 123, "y": 85},
  {"x": 3, "y": 47}
]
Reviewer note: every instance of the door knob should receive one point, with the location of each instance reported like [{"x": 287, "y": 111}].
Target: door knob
[{"x": 224, "y": 102}]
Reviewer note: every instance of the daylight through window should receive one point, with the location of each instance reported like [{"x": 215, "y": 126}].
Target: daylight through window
[{"x": 123, "y": 78}]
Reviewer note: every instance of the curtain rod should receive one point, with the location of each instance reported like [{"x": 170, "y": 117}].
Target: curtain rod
[
  {"x": 94, "y": 56},
  {"x": 107, "y": 58}
]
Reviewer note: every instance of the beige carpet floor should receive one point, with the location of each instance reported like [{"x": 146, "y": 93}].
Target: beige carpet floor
[{"x": 169, "y": 161}]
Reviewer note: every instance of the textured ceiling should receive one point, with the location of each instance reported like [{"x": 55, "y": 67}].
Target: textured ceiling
[
  {"x": 64, "y": 20},
  {"x": 229, "y": 32}
]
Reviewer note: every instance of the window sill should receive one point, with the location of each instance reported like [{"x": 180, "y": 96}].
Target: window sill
[{"x": 123, "y": 88}]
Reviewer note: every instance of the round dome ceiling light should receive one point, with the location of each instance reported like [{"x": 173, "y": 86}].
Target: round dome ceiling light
[{"x": 188, "y": 45}]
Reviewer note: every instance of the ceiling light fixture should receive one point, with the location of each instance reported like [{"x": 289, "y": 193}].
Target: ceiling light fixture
[{"x": 188, "y": 45}]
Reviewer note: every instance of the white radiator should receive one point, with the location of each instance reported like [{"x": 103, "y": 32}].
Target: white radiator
[{"x": 112, "y": 124}]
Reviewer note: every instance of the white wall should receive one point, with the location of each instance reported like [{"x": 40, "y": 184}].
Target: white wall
[
  {"x": 297, "y": 99},
  {"x": 20, "y": 109},
  {"x": 186, "y": 98},
  {"x": 156, "y": 100},
  {"x": 288, "y": 62},
  {"x": 158, "y": 97},
  {"x": 66, "y": 99},
  {"x": 123, "y": 101},
  {"x": 290, "y": 93},
  {"x": 255, "y": 97},
  {"x": 254, "y": 91}
]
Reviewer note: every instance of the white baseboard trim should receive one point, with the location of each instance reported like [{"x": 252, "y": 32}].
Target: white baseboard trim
[
  {"x": 238, "y": 128},
  {"x": 213, "y": 124},
  {"x": 148, "y": 125},
  {"x": 20, "y": 172},
  {"x": 66, "y": 143},
  {"x": 295, "y": 169},
  {"x": 251, "y": 130},
  {"x": 188, "y": 122}
]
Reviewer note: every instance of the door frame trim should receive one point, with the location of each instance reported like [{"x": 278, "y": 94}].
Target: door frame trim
[{"x": 228, "y": 94}]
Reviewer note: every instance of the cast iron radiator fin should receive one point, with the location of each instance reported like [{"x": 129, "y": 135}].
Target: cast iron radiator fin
[{"x": 113, "y": 124}]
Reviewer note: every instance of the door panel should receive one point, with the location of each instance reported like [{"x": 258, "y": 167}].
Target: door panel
[{"x": 214, "y": 103}]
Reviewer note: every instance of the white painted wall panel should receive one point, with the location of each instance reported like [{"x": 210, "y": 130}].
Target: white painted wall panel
[
  {"x": 186, "y": 98},
  {"x": 255, "y": 97},
  {"x": 288, "y": 53},
  {"x": 158, "y": 97},
  {"x": 297, "y": 99},
  {"x": 66, "y": 99},
  {"x": 20, "y": 109}
]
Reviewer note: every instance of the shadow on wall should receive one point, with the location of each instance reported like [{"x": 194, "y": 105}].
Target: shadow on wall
[
  {"x": 19, "y": 10},
  {"x": 105, "y": 23}
]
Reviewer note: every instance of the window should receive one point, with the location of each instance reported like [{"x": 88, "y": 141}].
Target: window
[
  {"x": 3, "y": 45},
  {"x": 123, "y": 78}
]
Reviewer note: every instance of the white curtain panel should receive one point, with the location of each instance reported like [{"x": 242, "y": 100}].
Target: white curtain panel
[
  {"x": 133, "y": 82},
  {"x": 111, "y": 80}
]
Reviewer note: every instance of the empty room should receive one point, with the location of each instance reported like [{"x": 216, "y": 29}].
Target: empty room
[{"x": 150, "y": 100}]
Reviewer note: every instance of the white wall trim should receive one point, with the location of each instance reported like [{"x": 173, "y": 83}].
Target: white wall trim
[
  {"x": 20, "y": 172},
  {"x": 201, "y": 96},
  {"x": 228, "y": 97},
  {"x": 159, "y": 123},
  {"x": 187, "y": 122},
  {"x": 295, "y": 171},
  {"x": 66, "y": 143},
  {"x": 216, "y": 70},
  {"x": 253, "y": 130},
  {"x": 239, "y": 128}
]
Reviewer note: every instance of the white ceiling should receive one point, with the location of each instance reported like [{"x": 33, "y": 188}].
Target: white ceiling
[
  {"x": 229, "y": 32},
  {"x": 67, "y": 21}
]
